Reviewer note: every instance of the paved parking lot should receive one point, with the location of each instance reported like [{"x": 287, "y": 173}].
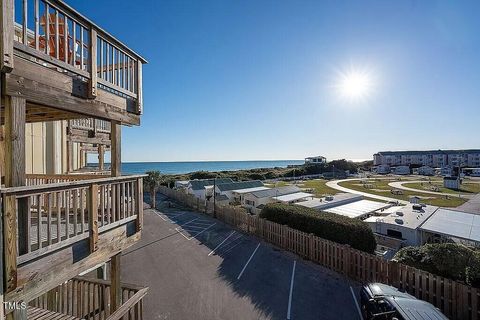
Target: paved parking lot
[{"x": 199, "y": 268}]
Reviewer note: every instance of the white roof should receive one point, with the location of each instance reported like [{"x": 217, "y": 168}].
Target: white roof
[
  {"x": 293, "y": 196},
  {"x": 457, "y": 224},
  {"x": 405, "y": 217},
  {"x": 358, "y": 208},
  {"x": 247, "y": 190},
  {"x": 338, "y": 199}
]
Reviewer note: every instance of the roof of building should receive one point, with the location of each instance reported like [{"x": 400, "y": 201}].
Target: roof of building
[
  {"x": 293, "y": 196},
  {"x": 201, "y": 184},
  {"x": 237, "y": 185},
  {"x": 275, "y": 192},
  {"x": 358, "y": 208},
  {"x": 221, "y": 197},
  {"x": 457, "y": 224},
  {"x": 316, "y": 157},
  {"x": 406, "y": 217},
  {"x": 339, "y": 198},
  {"x": 248, "y": 190},
  {"x": 416, "y": 152}
]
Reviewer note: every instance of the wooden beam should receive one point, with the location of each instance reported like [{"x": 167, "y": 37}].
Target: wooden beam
[
  {"x": 93, "y": 218},
  {"x": 139, "y": 88},
  {"x": 115, "y": 287},
  {"x": 101, "y": 157},
  {"x": 6, "y": 35},
  {"x": 92, "y": 91},
  {"x": 47, "y": 87},
  {"x": 69, "y": 156},
  {"x": 10, "y": 242},
  {"x": 14, "y": 141},
  {"x": 139, "y": 204},
  {"x": 116, "y": 149}
]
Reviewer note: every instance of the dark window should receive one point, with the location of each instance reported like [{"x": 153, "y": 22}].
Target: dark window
[{"x": 394, "y": 233}]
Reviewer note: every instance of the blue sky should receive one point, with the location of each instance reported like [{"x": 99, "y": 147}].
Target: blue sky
[{"x": 253, "y": 79}]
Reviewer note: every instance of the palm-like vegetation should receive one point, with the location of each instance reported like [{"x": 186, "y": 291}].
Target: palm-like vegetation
[{"x": 151, "y": 183}]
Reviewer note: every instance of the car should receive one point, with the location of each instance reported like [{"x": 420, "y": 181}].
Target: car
[{"x": 382, "y": 302}]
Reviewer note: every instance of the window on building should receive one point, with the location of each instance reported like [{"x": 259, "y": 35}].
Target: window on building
[{"x": 394, "y": 234}]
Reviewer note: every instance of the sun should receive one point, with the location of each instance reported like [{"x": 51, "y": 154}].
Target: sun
[{"x": 354, "y": 85}]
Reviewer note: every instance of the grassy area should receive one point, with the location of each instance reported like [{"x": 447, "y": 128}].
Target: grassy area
[
  {"x": 466, "y": 187},
  {"x": 319, "y": 187},
  {"x": 381, "y": 187},
  {"x": 278, "y": 184}
]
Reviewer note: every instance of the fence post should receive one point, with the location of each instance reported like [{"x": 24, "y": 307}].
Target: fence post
[
  {"x": 311, "y": 247},
  {"x": 10, "y": 242},
  {"x": 92, "y": 90},
  {"x": 393, "y": 274},
  {"x": 93, "y": 217},
  {"x": 346, "y": 259},
  {"x": 139, "y": 202}
]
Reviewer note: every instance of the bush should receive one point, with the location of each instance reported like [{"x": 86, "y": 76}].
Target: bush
[
  {"x": 450, "y": 260},
  {"x": 326, "y": 225}
]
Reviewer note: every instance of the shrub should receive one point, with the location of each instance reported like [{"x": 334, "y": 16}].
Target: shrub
[
  {"x": 451, "y": 260},
  {"x": 330, "y": 226}
]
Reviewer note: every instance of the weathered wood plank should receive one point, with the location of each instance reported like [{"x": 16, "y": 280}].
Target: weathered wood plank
[
  {"x": 92, "y": 92},
  {"x": 115, "y": 287},
  {"x": 116, "y": 151},
  {"x": 10, "y": 242},
  {"x": 93, "y": 217},
  {"x": 6, "y": 35}
]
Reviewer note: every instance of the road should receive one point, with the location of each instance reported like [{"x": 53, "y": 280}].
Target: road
[
  {"x": 335, "y": 185},
  {"x": 199, "y": 268}
]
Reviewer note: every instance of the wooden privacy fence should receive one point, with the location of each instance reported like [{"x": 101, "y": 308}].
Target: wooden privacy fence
[
  {"x": 90, "y": 299},
  {"x": 455, "y": 299}
]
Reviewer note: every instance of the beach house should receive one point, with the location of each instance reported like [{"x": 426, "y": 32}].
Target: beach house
[
  {"x": 232, "y": 190},
  {"x": 254, "y": 201},
  {"x": 203, "y": 188},
  {"x": 68, "y": 87}
]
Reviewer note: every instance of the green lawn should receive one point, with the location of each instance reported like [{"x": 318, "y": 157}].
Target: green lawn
[
  {"x": 381, "y": 187},
  {"x": 319, "y": 187},
  {"x": 466, "y": 187}
]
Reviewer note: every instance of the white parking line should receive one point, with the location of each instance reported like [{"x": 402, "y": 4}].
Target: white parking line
[
  {"x": 213, "y": 251},
  {"x": 356, "y": 303},
  {"x": 202, "y": 232},
  {"x": 181, "y": 225},
  {"x": 245, "y": 267},
  {"x": 291, "y": 290}
]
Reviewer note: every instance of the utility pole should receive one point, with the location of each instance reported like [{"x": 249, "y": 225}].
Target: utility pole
[{"x": 214, "y": 187}]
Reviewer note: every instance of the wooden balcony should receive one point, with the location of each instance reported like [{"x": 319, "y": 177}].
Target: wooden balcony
[
  {"x": 82, "y": 298},
  {"x": 65, "y": 66},
  {"x": 55, "y": 231}
]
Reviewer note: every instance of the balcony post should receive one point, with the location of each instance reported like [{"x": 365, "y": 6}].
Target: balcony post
[
  {"x": 116, "y": 148},
  {"x": 93, "y": 217},
  {"x": 139, "y": 203},
  {"x": 92, "y": 92},
  {"x": 115, "y": 286},
  {"x": 101, "y": 157},
  {"x": 139, "y": 88},
  {"x": 6, "y": 35}
]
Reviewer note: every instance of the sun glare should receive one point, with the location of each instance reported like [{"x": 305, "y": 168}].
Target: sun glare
[{"x": 354, "y": 85}]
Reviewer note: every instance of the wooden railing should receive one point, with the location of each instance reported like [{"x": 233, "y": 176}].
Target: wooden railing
[
  {"x": 58, "y": 36},
  {"x": 89, "y": 299},
  {"x": 90, "y": 124},
  {"x": 42, "y": 179},
  {"x": 40, "y": 219},
  {"x": 456, "y": 300}
]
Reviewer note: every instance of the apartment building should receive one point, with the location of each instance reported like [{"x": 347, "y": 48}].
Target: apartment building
[{"x": 431, "y": 158}]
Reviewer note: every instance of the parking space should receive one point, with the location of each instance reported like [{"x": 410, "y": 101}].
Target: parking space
[{"x": 199, "y": 268}]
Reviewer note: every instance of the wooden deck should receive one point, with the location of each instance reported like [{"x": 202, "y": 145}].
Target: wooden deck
[{"x": 34, "y": 313}]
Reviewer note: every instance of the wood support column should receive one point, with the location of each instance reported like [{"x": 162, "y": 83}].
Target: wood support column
[
  {"x": 69, "y": 156},
  {"x": 15, "y": 211},
  {"x": 101, "y": 157},
  {"x": 116, "y": 148},
  {"x": 115, "y": 287}
]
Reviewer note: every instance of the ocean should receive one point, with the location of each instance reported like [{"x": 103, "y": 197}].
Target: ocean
[{"x": 186, "y": 167}]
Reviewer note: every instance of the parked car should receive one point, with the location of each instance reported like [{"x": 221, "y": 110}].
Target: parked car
[{"x": 382, "y": 302}]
